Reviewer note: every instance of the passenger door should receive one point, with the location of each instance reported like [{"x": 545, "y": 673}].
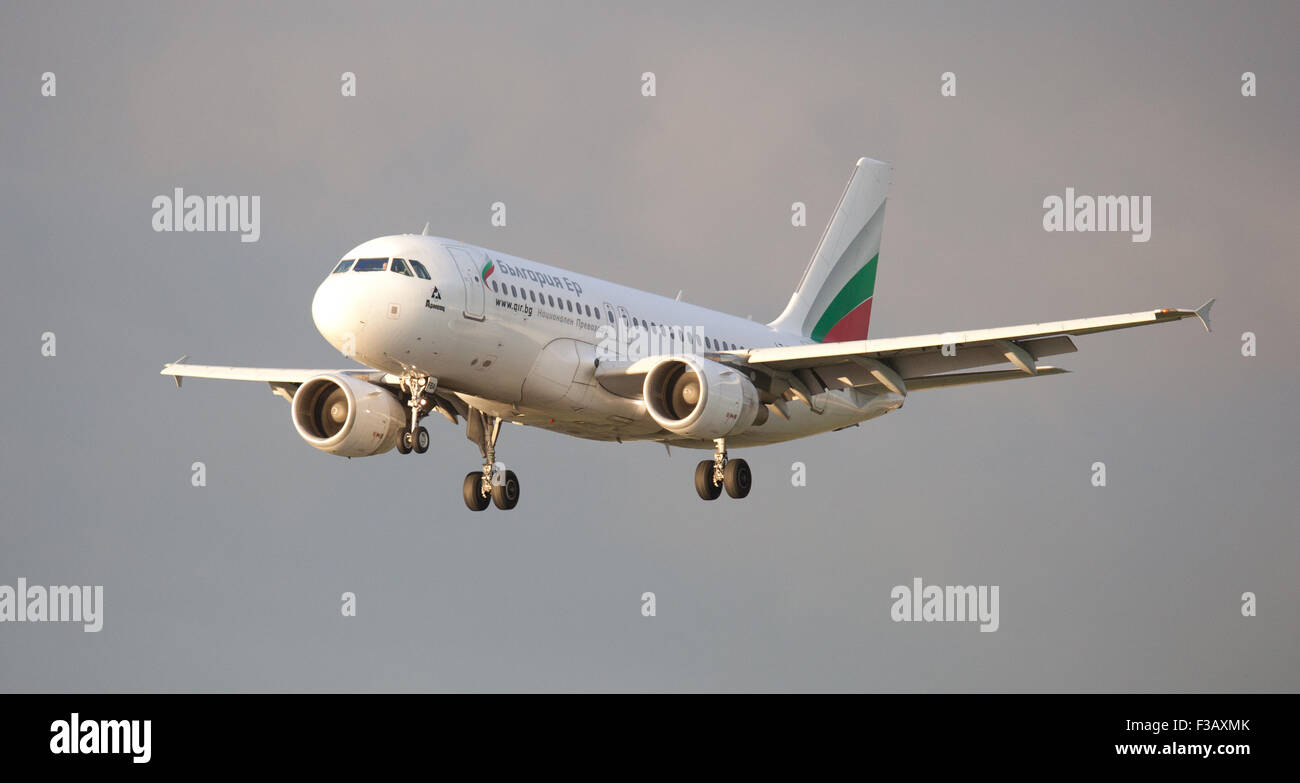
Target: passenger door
[{"x": 475, "y": 288}]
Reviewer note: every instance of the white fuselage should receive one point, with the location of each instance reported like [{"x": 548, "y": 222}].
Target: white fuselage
[{"x": 523, "y": 341}]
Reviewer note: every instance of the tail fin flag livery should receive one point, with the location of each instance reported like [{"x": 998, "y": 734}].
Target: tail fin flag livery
[{"x": 833, "y": 301}]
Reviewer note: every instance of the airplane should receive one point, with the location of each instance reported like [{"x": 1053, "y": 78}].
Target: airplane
[{"x": 486, "y": 337}]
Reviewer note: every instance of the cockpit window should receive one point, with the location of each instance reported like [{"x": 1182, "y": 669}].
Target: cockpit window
[
  {"x": 371, "y": 264},
  {"x": 399, "y": 266},
  {"x": 343, "y": 266},
  {"x": 420, "y": 271}
]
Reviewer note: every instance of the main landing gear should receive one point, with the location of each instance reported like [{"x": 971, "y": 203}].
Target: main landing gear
[
  {"x": 711, "y": 475},
  {"x": 500, "y": 487},
  {"x": 416, "y": 438},
  {"x": 489, "y": 485}
]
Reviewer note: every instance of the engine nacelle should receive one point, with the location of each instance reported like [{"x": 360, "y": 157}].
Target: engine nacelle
[
  {"x": 700, "y": 398},
  {"x": 346, "y": 416}
]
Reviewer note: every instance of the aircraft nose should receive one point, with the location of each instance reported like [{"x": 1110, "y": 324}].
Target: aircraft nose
[{"x": 331, "y": 311}]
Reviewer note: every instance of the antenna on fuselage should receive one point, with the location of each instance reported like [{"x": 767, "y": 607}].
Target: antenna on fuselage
[{"x": 425, "y": 232}]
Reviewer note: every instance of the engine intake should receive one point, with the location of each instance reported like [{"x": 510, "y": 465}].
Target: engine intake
[
  {"x": 700, "y": 398},
  {"x": 346, "y": 416}
]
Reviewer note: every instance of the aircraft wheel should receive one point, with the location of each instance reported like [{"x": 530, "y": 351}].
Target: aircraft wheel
[
  {"x": 421, "y": 444},
  {"x": 404, "y": 442},
  {"x": 506, "y": 494},
  {"x": 704, "y": 481},
  {"x": 473, "y": 498},
  {"x": 737, "y": 478}
]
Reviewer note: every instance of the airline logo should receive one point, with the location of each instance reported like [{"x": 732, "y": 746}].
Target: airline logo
[{"x": 523, "y": 273}]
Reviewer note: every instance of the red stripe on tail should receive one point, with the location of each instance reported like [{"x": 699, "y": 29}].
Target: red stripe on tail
[{"x": 852, "y": 326}]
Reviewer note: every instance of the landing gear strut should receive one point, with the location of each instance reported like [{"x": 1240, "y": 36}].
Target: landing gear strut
[
  {"x": 417, "y": 387},
  {"x": 481, "y": 486},
  {"x": 712, "y": 475}
]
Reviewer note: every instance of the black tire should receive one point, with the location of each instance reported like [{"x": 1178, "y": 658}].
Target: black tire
[
  {"x": 421, "y": 442},
  {"x": 737, "y": 478},
  {"x": 473, "y": 498},
  {"x": 704, "y": 481},
  {"x": 506, "y": 494},
  {"x": 404, "y": 442}
]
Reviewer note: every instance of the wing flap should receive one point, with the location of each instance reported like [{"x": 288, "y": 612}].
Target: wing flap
[
  {"x": 932, "y": 361},
  {"x": 965, "y": 378}
]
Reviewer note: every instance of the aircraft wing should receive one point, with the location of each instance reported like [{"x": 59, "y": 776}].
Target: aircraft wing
[
  {"x": 932, "y": 361},
  {"x": 902, "y": 364},
  {"x": 283, "y": 381}
]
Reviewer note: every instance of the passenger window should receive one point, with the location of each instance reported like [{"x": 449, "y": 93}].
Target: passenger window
[
  {"x": 551, "y": 299},
  {"x": 371, "y": 264},
  {"x": 513, "y": 292},
  {"x": 399, "y": 266},
  {"x": 588, "y": 307},
  {"x": 569, "y": 304},
  {"x": 343, "y": 266},
  {"x": 532, "y": 295},
  {"x": 420, "y": 271}
]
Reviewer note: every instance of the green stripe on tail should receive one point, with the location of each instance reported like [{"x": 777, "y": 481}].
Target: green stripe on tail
[{"x": 859, "y": 288}]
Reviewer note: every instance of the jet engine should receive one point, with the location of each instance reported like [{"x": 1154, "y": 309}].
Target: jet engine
[
  {"x": 346, "y": 416},
  {"x": 699, "y": 398}
]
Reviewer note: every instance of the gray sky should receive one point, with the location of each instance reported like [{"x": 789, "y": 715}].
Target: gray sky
[{"x": 236, "y": 585}]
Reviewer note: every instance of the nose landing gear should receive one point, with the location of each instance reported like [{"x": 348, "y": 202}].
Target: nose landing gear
[
  {"x": 416, "y": 438},
  {"x": 711, "y": 476}
]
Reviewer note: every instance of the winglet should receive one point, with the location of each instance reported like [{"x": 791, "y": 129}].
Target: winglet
[
  {"x": 176, "y": 378},
  {"x": 1203, "y": 313}
]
